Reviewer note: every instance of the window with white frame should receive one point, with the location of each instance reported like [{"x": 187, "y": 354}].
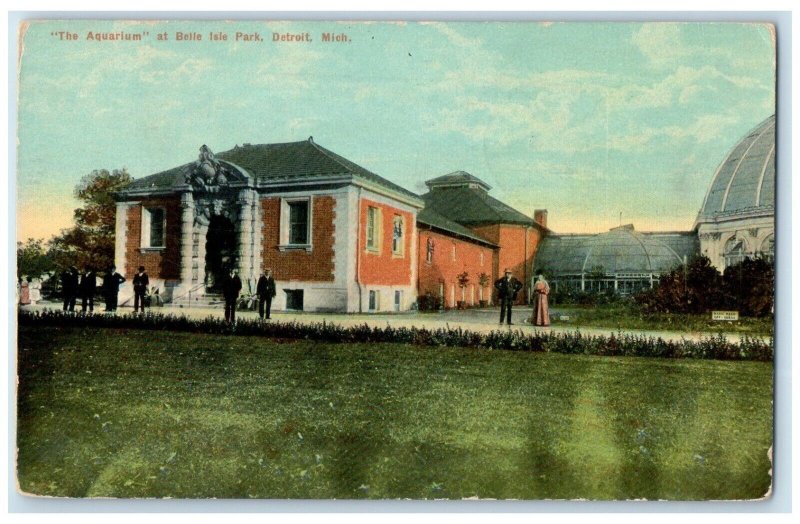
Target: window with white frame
[
  {"x": 373, "y": 229},
  {"x": 295, "y": 223},
  {"x": 397, "y": 236},
  {"x": 154, "y": 222}
]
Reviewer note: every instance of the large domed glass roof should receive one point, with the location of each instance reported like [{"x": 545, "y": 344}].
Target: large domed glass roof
[
  {"x": 745, "y": 181},
  {"x": 620, "y": 250}
]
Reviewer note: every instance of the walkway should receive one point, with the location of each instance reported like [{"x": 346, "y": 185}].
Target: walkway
[{"x": 479, "y": 320}]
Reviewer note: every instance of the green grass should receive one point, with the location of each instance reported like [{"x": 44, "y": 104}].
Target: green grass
[
  {"x": 126, "y": 413},
  {"x": 626, "y": 316}
]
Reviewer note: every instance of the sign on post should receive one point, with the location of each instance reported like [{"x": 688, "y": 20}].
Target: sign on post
[{"x": 725, "y": 315}]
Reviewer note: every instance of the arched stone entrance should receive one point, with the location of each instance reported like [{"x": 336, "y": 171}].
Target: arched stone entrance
[
  {"x": 220, "y": 225},
  {"x": 220, "y": 248}
]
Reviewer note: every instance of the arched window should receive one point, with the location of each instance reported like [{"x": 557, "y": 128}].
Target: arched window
[{"x": 735, "y": 251}]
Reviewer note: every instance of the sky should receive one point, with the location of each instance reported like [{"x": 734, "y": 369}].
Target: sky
[{"x": 599, "y": 123}]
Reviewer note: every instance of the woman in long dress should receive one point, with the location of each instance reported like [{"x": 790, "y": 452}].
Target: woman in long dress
[
  {"x": 541, "y": 314},
  {"x": 24, "y": 293},
  {"x": 36, "y": 290}
]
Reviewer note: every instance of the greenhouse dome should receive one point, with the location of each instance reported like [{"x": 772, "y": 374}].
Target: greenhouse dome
[
  {"x": 737, "y": 220},
  {"x": 622, "y": 260}
]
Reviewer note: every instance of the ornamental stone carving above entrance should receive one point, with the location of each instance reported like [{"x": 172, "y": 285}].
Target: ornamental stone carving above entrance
[{"x": 208, "y": 174}]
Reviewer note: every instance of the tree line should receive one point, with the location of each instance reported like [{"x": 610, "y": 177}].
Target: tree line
[{"x": 90, "y": 241}]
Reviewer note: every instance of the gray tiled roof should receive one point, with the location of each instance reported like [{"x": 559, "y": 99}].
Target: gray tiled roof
[
  {"x": 429, "y": 217},
  {"x": 456, "y": 178},
  {"x": 473, "y": 206},
  {"x": 745, "y": 180},
  {"x": 276, "y": 162}
]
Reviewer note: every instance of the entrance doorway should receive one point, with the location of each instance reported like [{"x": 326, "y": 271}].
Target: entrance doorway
[{"x": 220, "y": 251}]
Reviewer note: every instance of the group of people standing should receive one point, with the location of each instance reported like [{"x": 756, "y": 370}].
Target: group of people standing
[
  {"x": 509, "y": 287},
  {"x": 265, "y": 292},
  {"x": 83, "y": 285}
]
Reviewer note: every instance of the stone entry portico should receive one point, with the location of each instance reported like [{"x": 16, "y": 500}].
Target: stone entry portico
[{"x": 236, "y": 201}]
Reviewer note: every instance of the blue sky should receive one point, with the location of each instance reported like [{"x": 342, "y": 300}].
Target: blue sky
[{"x": 588, "y": 120}]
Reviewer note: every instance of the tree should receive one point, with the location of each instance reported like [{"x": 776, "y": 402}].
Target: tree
[
  {"x": 91, "y": 241},
  {"x": 749, "y": 287},
  {"x": 33, "y": 260},
  {"x": 696, "y": 288}
]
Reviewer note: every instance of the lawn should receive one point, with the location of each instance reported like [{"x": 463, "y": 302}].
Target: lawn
[
  {"x": 127, "y": 413},
  {"x": 626, "y": 316}
]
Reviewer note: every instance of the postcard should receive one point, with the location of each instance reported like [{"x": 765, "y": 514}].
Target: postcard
[{"x": 395, "y": 260}]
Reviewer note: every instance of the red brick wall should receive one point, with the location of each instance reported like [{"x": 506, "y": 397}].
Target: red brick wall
[
  {"x": 443, "y": 269},
  {"x": 316, "y": 265},
  {"x": 513, "y": 253},
  {"x": 164, "y": 263},
  {"x": 383, "y": 267}
]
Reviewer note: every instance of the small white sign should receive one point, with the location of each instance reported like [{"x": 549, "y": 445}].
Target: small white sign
[{"x": 725, "y": 315}]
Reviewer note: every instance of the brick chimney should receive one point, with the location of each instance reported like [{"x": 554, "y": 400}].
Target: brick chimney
[{"x": 540, "y": 217}]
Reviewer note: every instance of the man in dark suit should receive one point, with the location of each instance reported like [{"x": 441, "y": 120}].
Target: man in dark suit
[
  {"x": 266, "y": 292},
  {"x": 507, "y": 289},
  {"x": 231, "y": 285},
  {"x": 140, "y": 283},
  {"x": 111, "y": 282},
  {"x": 87, "y": 287},
  {"x": 69, "y": 287}
]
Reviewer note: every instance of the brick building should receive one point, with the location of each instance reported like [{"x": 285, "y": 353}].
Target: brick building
[
  {"x": 464, "y": 199},
  {"x": 337, "y": 236}
]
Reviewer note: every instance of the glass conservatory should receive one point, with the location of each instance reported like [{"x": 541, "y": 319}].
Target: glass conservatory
[{"x": 622, "y": 261}]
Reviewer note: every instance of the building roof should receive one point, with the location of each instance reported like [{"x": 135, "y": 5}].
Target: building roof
[
  {"x": 276, "y": 163},
  {"x": 470, "y": 206},
  {"x": 620, "y": 250},
  {"x": 457, "y": 179},
  {"x": 434, "y": 220},
  {"x": 744, "y": 182}
]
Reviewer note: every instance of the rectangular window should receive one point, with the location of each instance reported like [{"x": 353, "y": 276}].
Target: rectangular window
[
  {"x": 298, "y": 222},
  {"x": 374, "y": 300},
  {"x": 398, "y": 300},
  {"x": 454, "y": 252},
  {"x": 397, "y": 236},
  {"x": 294, "y": 299},
  {"x": 481, "y": 258},
  {"x": 153, "y": 227},
  {"x": 373, "y": 229}
]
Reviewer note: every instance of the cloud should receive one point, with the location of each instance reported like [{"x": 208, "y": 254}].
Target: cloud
[{"x": 660, "y": 42}]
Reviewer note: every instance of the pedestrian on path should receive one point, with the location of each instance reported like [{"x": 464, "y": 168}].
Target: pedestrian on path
[
  {"x": 541, "y": 314},
  {"x": 266, "y": 292},
  {"x": 140, "y": 283},
  {"x": 111, "y": 283},
  {"x": 87, "y": 288},
  {"x": 231, "y": 286},
  {"x": 69, "y": 287},
  {"x": 507, "y": 289}
]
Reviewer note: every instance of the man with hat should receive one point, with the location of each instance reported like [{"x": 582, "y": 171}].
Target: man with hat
[
  {"x": 231, "y": 286},
  {"x": 69, "y": 287},
  {"x": 507, "y": 289},
  {"x": 87, "y": 288},
  {"x": 111, "y": 283},
  {"x": 140, "y": 283},
  {"x": 266, "y": 292}
]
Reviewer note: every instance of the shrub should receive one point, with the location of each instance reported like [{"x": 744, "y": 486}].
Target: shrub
[
  {"x": 619, "y": 344},
  {"x": 429, "y": 302}
]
